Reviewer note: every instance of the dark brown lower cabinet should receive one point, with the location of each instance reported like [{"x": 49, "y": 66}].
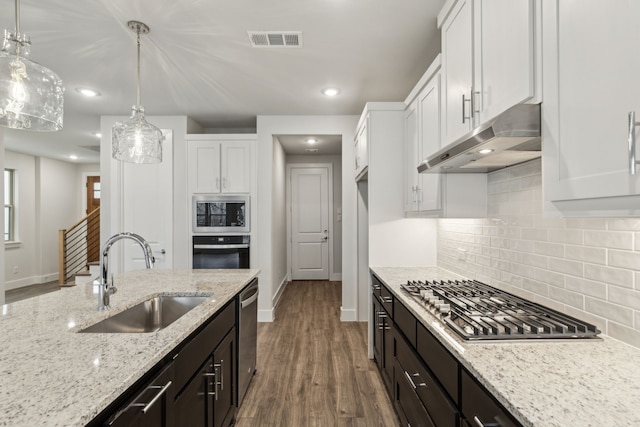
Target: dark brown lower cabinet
[
  {"x": 422, "y": 387},
  {"x": 193, "y": 406},
  {"x": 195, "y": 385},
  {"x": 480, "y": 408},
  {"x": 224, "y": 368},
  {"x": 151, "y": 406},
  {"x": 429, "y": 386},
  {"x": 383, "y": 349},
  {"x": 408, "y": 406}
]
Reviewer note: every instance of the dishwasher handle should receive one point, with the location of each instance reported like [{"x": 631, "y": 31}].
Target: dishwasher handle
[{"x": 246, "y": 301}]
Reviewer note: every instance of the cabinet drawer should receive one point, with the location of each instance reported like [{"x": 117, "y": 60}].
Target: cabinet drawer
[
  {"x": 405, "y": 320},
  {"x": 434, "y": 399},
  {"x": 439, "y": 360},
  {"x": 202, "y": 344},
  {"x": 479, "y": 407},
  {"x": 411, "y": 411}
]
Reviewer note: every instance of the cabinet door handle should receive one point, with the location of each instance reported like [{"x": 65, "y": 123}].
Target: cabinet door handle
[
  {"x": 479, "y": 423},
  {"x": 464, "y": 101},
  {"x": 632, "y": 142},
  {"x": 387, "y": 300},
  {"x": 224, "y": 183},
  {"x": 413, "y": 384},
  {"x": 474, "y": 104},
  {"x": 217, "y": 183},
  {"x": 162, "y": 391}
]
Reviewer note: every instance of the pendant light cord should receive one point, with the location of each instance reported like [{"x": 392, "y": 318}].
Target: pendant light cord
[
  {"x": 17, "y": 18},
  {"x": 138, "y": 73}
]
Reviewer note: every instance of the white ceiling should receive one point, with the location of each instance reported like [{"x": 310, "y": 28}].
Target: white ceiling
[
  {"x": 198, "y": 60},
  {"x": 298, "y": 144}
]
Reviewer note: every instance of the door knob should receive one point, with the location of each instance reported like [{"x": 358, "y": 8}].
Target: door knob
[{"x": 162, "y": 251}]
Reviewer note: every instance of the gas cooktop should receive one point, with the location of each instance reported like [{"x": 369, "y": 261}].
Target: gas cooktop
[{"x": 479, "y": 312}]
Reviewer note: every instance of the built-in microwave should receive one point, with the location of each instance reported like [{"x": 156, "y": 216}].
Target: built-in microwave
[{"x": 219, "y": 214}]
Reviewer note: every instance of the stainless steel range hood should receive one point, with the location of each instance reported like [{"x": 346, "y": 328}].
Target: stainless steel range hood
[{"x": 513, "y": 137}]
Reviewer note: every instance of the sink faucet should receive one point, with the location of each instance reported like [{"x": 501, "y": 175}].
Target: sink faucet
[{"x": 106, "y": 289}]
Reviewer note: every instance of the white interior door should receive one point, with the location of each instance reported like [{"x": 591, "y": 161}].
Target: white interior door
[
  {"x": 309, "y": 223},
  {"x": 148, "y": 208}
]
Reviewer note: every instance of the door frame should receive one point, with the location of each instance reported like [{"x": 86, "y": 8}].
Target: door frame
[{"x": 291, "y": 166}]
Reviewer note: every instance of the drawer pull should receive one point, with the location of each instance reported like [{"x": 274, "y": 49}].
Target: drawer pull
[
  {"x": 387, "y": 300},
  {"x": 632, "y": 142},
  {"x": 413, "y": 384},
  {"x": 163, "y": 389},
  {"x": 479, "y": 423}
]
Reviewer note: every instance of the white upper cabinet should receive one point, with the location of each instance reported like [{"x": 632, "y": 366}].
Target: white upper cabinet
[
  {"x": 488, "y": 60},
  {"x": 505, "y": 59},
  {"x": 432, "y": 194},
  {"x": 591, "y": 78},
  {"x": 457, "y": 69},
  {"x": 219, "y": 164},
  {"x": 411, "y": 154}
]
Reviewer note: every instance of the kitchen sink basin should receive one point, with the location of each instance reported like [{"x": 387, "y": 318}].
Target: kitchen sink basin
[{"x": 148, "y": 316}]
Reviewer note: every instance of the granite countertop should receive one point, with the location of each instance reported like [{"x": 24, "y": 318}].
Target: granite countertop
[
  {"x": 51, "y": 375},
  {"x": 543, "y": 384}
]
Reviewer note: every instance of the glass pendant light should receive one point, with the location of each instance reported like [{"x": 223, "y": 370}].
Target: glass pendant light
[
  {"x": 136, "y": 140},
  {"x": 31, "y": 96}
]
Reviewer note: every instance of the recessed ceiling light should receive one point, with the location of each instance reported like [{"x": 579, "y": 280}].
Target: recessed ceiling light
[
  {"x": 90, "y": 93},
  {"x": 331, "y": 91},
  {"x": 311, "y": 141},
  {"x": 485, "y": 151},
  {"x": 73, "y": 157},
  {"x": 97, "y": 134}
]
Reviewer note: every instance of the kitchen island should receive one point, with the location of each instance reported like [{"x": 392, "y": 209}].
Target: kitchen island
[
  {"x": 51, "y": 375},
  {"x": 540, "y": 383}
]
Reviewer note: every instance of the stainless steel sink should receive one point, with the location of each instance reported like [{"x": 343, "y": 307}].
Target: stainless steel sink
[{"x": 148, "y": 316}]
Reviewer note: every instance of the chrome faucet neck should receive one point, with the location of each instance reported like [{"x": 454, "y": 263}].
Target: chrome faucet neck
[{"x": 106, "y": 288}]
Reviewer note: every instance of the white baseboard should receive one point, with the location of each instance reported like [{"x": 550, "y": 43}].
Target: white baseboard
[
  {"x": 336, "y": 277},
  {"x": 348, "y": 315},
  {"x": 276, "y": 298},
  {"x": 28, "y": 281},
  {"x": 269, "y": 314}
]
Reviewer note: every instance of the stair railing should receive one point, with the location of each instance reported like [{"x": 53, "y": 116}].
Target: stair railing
[{"x": 78, "y": 246}]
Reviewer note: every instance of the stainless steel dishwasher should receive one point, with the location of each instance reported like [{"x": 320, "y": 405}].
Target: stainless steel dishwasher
[{"x": 247, "y": 337}]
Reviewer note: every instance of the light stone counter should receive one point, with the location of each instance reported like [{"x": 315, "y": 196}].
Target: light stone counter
[
  {"x": 51, "y": 375},
  {"x": 542, "y": 384}
]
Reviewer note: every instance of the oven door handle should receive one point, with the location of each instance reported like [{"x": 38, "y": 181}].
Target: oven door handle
[{"x": 220, "y": 246}]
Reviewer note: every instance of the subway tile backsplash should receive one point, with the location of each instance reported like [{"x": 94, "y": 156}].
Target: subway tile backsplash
[{"x": 588, "y": 268}]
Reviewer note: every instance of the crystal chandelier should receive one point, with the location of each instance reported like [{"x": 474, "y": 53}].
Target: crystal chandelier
[
  {"x": 31, "y": 96},
  {"x": 136, "y": 140}
]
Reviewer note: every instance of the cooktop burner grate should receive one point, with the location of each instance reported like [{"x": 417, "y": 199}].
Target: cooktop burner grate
[{"x": 477, "y": 311}]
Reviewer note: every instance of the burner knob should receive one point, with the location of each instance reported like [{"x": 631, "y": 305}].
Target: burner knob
[{"x": 444, "y": 308}]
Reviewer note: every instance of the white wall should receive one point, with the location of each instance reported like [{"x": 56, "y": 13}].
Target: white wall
[
  {"x": 56, "y": 209},
  {"x": 47, "y": 198},
  {"x": 267, "y": 127},
  {"x": 394, "y": 241},
  {"x": 279, "y": 218},
  {"x": 2, "y": 284},
  {"x": 336, "y": 161},
  {"x": 588, "y": 268},
  {"x": 21, "y": 256}
]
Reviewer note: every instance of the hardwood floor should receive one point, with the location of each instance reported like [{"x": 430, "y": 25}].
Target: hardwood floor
[
  {"x": 312, "y": 369},
  {"x": 18, "y": 294}
]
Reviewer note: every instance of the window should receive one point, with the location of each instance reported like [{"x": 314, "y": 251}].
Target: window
[{"x": 9, "y": 206}]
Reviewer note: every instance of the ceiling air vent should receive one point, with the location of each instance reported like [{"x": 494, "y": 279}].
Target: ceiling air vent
[{"x": 275, "y": 38}]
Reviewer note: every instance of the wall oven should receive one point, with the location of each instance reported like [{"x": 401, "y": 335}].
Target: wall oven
[
  {"x": 220, "y": 214},
  {"x": 221, "y": 252}
]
